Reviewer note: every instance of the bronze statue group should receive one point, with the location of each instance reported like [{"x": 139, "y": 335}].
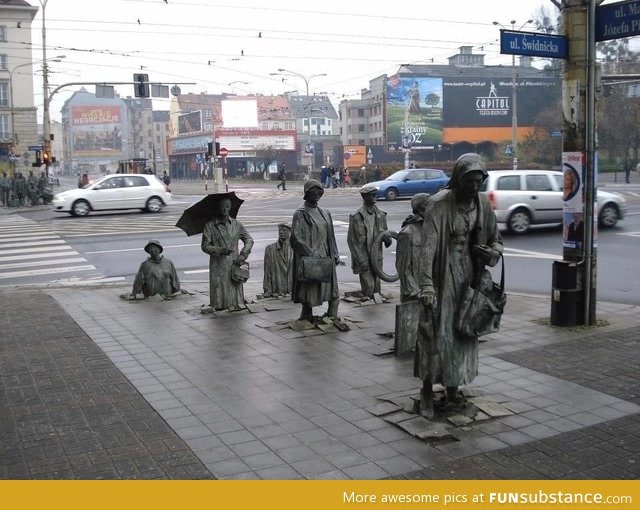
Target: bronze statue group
[
  {"x": 20, "y": 191},
  {"x": 443, "y": 249}
]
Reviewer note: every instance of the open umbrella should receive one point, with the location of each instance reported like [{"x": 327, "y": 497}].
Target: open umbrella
[{"x": 194, "y": 217}]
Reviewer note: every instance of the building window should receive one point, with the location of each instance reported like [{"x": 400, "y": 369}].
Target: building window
[
  {"x": 360, "y": 112},
  {"x": 3, "y": 61},
  {"x": 361, "y": 128},
  {"x": 289, "y": 126},
  {"x": 3, "y": 33},
  {"x": 265, "y": 126},
  {"x": 207, "y": 125},
  {"x": 5, "y": 127},
  {"x": 4, "y": 94},
  {"x": 206, "y": 114}
]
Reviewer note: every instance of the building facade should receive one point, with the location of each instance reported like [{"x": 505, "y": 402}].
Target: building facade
[{"x": 18, "y": 122}]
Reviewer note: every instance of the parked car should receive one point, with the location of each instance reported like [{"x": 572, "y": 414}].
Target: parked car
[
  {"x": 406, "y": 183},
  {"x": 522, "y": 198},
  {"x": 113, "y": 192}
]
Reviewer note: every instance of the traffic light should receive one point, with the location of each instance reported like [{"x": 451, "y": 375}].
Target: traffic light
[
  {"x": 38, "y": 162},
  {"x": 141, "y": 87},
  {"x": 217, "y": 148},
  {"x": 209, "y": 149},
  {"x": 46, "y": 159}
]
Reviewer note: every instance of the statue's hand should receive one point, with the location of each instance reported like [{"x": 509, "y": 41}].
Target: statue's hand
[
  {"x": 428, "y": 298},
  {"x": 486, "y": 254}
]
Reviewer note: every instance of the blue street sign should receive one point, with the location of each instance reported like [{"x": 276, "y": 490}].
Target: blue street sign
[
  {"x": 556, "y": 133},
  {"x": 36, "y": 147},
  {"x": 531, "y": 43},
  {"x": 508, "y": 150},
  {"x": 614, "y": 21}
]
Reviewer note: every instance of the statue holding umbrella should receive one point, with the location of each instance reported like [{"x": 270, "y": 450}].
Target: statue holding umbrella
[{"x": 215, "y": 217}]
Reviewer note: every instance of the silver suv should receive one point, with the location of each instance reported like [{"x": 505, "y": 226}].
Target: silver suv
[{"x": 522, "y": 198}]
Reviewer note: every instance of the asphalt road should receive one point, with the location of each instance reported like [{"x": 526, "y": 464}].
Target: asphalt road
[{"x": 108, "y": 247}]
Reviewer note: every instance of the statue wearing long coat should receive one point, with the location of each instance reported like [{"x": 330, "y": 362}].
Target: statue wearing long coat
[
  {"x": 449, "y": 232},
  {"x": 219, "y": 234},
  {"x": 277, "y": 268},
  {"x": 312, "y": 235}
]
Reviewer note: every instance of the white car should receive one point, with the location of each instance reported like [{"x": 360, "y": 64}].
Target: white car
[
  {"x": 112, "y": 192},
  {"x": 522, "y": 198}
]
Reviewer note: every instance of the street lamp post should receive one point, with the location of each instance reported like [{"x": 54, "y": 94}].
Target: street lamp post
[
  {"x": 307, "y": 79},
  {"x": 514, "y": 88}
]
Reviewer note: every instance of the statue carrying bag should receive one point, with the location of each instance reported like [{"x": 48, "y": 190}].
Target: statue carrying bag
[
  {"x": 482, "y": 305},
  {"x": 315, "y": 269},
  {"x": 240, "y": 274}
]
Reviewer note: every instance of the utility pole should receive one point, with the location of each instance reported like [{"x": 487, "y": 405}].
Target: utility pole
[{"x": 574, "y": 278}]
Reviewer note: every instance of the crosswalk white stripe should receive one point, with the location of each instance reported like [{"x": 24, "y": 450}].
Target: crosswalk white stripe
[
  {"x": 17, "y": 236},
  {"x": 51, "y": 270},
  {"x": 16, "y": 265},
  {"x": 34, "y": 250},
  {"x": 30, "y": 243},
  {"x": 46, "y": 256}
]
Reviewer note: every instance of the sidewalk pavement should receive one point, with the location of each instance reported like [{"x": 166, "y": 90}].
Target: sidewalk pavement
[{"x": 94, "y": 386}]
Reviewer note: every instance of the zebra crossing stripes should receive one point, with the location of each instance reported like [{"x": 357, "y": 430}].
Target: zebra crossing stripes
[{"x": 29, "y": 250}]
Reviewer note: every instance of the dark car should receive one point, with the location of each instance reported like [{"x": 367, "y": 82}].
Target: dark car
[{"x": 406, "y": 183}]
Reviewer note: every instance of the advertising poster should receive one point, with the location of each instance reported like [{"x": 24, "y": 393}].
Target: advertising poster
[
  {"x": 414, "y": 112},
  {"x": 96, "y": 131},
  {"x": 572, "y": 191},
  {"x": 190, "y": 123}
]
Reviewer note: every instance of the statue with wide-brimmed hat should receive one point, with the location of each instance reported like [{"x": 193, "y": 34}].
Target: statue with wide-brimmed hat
[{"x": 156, "y": 276}]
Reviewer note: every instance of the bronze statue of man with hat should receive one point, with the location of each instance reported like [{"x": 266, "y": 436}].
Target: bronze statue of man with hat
[
  {"x": 278, "y": 258},
  {"x": 156, "y": 275},
  {"x": 364, "y": 227}
]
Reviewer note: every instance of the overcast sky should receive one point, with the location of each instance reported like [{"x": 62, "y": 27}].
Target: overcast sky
[{"x": 214, "y": 43}]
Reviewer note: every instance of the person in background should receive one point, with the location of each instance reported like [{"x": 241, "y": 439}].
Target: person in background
[{"x": 282, "y": 176}]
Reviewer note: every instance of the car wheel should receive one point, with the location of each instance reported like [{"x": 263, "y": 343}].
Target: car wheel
[
  {"x": 154, "y": 204},
  {"x": 391, "y": 194},
  {"x": 608, "y": 217},
  {"x": 519, "y": 221},
  {"x": 80, "y": 208}
]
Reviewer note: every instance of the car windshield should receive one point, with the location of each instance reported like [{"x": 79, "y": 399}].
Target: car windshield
[{"x": 398, "y": 176}]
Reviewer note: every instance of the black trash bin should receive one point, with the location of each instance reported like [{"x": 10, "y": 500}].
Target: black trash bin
[{"x": 566, "y": 299}]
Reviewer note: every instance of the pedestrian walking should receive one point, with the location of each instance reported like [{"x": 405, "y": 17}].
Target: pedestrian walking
[
  {"x": 282, "y": 175},
  {"x": 5, "y": 187}
]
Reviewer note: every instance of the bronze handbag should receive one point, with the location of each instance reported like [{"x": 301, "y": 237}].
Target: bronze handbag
[
  {"x": 482, "y": 306},
  {"x": 240, "y": 274},
  {"x": 316, "y": 269}
]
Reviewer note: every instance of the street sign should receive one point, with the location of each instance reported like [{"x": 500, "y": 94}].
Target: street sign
[
  {"x": 36, "y": 147},
  {"x": 508, "y": 150},
  {"x": 223, "y": 152},
  {"x": 556, "y": 133},
  {"x": 614, "y": 21},
  {"x": 532, "y": 43}
]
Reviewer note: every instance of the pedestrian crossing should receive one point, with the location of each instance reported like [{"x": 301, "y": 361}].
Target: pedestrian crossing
[
  {"x": 137, "y": 223},
  {"x": 30, "y": 251}
]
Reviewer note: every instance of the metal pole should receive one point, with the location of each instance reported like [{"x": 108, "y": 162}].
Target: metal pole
[
  {"x": 312, "y": 152},
  {"x": 514, "y": 114},
  {"x": 590, "y": 254},
  {"x": 46, "y": 119}
]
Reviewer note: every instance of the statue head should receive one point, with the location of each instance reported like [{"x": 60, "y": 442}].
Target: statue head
[
  {"x": 419, "y": 203},
  {"x": 284, "y": 231},
  {"x": 309, "y": 188},
  {"x": 153, "y": 248},
  {"x": 368, "y": 194},
  {"x": 224, "y": 208},
  {"x": 469, "y": 172}
]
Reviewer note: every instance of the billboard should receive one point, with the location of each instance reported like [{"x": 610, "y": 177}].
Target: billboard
[
  {"x": 96, "y": 131},
  {"x": 426, "y": 111},
  {"x": 414, "y": 112},
  {"x": 190, "y": 122}
]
